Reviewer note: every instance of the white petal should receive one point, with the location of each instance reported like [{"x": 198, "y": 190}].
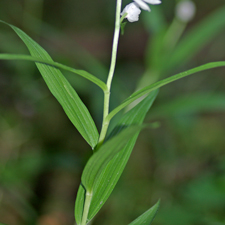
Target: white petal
[
  {"x": 132, "y": 11},
  {"x": 126, "y": 9},
  {"x": 153, "y": 2},
  {"x": 142, "y": 5}
]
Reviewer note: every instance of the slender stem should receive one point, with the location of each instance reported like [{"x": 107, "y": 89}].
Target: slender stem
[
  {"x": 86, "y": 207},
  {"x": 115, "y": 44},
  {"x": 105, "y": 122}
]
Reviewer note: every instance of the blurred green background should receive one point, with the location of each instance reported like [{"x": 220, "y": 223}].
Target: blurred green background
[{"x": 181, "y": 160}]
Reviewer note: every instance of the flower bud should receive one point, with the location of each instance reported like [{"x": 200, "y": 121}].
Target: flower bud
[{"x": 185, "y": 10}]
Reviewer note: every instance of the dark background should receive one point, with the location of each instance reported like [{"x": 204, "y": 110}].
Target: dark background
[{"x": 181, "y": 160}]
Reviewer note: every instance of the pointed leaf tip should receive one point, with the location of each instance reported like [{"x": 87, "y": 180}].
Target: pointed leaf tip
[
  {"x": 147, "y": 217},
  {"x": 62, "y": 90}
]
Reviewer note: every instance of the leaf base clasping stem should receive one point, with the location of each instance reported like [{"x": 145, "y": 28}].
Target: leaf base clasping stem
[{"x": 87, "y": 203}]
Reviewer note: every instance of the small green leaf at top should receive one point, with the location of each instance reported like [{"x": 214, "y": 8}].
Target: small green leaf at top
[
  {"x": 147, "y": 217},
  {"x": 122, "y": 27}
]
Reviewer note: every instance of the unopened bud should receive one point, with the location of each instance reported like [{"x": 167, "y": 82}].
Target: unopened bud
[{"x": 185, "y": 10}]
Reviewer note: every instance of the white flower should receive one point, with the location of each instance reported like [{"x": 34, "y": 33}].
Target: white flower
[
  {"x": 142, "y": 3},
  {"x": 133, "y": 9},
  {"x": 185, "y": 10}
]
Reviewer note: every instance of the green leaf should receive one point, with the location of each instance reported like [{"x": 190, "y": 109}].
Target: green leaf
[
  {"x": 112, "y": 172},
  {"x": 79, "y": 204},
  {"x": 161, "y": 83},
  {"x": 99, "y": 160},
  {"x": 122, "y": 27},
  {"x": 82, "y": 73},
  {"x": 97, "y": 164},
  {"x": 147, "y": 217},
  {"x": 62, "y": 90}
]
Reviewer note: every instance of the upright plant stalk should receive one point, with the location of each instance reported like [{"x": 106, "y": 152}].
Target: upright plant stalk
[
  {"x": 87, "y": 203},
  {"x": 105, "y": 122}
]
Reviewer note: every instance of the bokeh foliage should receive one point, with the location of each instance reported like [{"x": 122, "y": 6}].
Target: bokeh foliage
[{"x": 181, "y": 160}]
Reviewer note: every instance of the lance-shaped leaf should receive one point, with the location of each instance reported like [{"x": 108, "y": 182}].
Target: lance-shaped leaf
[
  {"x": 62, "y": 90},
  {"x": 147, "y": 217},
  {"x": 99, "y": 160},
  {"x": 81, "y": 73},
  {"x": 112, "y": 172},
  {"x": 162, "y": 83}
]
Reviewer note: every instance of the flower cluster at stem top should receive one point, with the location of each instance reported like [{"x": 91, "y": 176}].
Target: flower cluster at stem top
[{"x": 133, "y": 9}]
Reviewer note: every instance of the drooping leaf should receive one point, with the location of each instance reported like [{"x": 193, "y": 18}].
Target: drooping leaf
[
  {"x": 62, "y": 90},
  {"x": 82, "y": 73},
  {"x": 147, "y": 217},
  {"x": 112, "y": 172},
  {"x": 162, "y": 83}
]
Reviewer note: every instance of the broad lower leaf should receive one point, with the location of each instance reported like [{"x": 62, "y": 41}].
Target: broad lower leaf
[
  {"x": 97, "y": 164},
  {"x": 111, "y": 174},
  {"x": 62, "y": 90},
  {"x": 147, "y": 217},
  {"x": 162, "y": 83},
  {"x": 99, "y": 160}
]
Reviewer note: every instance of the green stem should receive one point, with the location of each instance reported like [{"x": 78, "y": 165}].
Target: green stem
[
  {"x": 105, "y": 122},
  {"x": 87, "y": 203}
]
